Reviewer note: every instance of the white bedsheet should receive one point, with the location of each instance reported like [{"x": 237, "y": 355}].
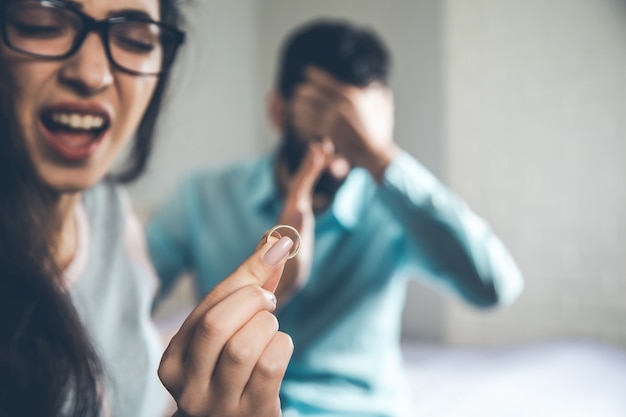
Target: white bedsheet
[{"x": 550, "y": 379}]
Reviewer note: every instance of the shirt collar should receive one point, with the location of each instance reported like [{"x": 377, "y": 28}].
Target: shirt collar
[
  {"x": 349, "y": 202},
  {"x": 346, "y": 208}
]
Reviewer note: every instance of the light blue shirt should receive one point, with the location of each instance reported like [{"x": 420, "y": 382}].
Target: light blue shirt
[{"x": 345, "y": 323}]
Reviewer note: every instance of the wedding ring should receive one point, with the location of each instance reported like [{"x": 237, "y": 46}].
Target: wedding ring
[{"x": 288, "y": 231}]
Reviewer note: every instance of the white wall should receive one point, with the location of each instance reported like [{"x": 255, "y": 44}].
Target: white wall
[
  {"x": 536, "y": 141},
  {"x": 214, "y": 98}
]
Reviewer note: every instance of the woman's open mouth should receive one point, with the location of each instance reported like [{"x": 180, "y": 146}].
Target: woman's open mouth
[{"x": 74, "y": 133}]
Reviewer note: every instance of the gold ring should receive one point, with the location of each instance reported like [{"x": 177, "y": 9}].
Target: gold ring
[{"x": 292, "y": 234}]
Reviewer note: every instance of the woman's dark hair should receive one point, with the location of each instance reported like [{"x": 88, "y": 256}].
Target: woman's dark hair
[
  {"x": 48, "y": 366},
  {"x": 44, "y": 351},
  {"x": 351, "y": 54}
]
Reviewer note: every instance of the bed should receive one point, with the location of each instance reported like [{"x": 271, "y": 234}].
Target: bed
[{"x": 565, "y": 378}]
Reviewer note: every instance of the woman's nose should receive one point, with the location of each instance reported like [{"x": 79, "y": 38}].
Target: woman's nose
[{"x": 88, "y": 71}]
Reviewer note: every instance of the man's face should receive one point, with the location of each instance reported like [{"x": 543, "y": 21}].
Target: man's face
[{"x": 293, "y": 149}]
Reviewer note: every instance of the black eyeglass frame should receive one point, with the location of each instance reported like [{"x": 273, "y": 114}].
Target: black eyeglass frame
[{"x": 101, "y": 27}]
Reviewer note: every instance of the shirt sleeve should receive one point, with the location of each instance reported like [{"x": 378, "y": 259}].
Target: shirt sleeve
[
  {"x": 445, "y": 239},
  {"x": 168, "y": 239}
]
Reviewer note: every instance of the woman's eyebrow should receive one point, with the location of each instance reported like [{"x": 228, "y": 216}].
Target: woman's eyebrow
[
  {"x": 128, "y": 12},
  {"x": 136, "y": 13}
]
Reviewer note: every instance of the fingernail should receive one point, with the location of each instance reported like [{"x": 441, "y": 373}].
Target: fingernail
[
  {"x": 278, "y": 251},
  {"x": 327, "y": 146},
  {"x": 270, "y": 297}
]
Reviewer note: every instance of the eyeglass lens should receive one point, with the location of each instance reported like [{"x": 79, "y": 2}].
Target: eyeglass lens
[{"x": 46, "y": 30}]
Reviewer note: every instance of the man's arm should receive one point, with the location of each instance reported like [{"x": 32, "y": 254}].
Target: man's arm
[{"x": 446, "y": 239}]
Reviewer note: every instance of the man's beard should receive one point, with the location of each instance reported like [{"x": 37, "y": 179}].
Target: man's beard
[{"x": 292, "y": 152}]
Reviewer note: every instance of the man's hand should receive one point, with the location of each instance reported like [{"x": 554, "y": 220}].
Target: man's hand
[
  {"x": 298, "y": 212},
  {"x": 359, "y": 121}
]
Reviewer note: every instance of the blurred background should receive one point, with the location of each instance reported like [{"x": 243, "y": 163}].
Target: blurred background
[{"x": 519, "y": 106}]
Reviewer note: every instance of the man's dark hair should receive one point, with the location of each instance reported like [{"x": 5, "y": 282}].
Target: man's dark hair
[{"x": 351, "y": 54}]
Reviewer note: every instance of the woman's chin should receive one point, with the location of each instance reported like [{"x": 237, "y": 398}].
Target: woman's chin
[{"x": 70, "y": 182}]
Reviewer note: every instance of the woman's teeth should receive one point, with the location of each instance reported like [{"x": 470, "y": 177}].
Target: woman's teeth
[{"x": 78, "y": 121}]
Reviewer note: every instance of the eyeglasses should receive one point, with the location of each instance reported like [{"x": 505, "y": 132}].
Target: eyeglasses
[{"x": 53, "y": 29}]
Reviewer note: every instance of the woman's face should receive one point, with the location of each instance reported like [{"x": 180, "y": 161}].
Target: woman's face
[{"x": 76, "y": 114}]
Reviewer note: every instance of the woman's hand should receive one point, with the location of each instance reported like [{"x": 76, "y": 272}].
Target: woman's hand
[{"x": 228, "y": 359}]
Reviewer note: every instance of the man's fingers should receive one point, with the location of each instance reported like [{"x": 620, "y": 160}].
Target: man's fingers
[
  {"x": 332, "y": 88},
  {"x": 312, "y": 113},
  {"x": 309, "y": 172}
]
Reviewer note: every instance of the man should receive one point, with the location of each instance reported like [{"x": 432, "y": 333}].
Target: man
[{"x": 371, "y": 218}]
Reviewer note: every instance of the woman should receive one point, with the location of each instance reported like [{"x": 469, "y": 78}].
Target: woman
[{"x": 78, "y": 79}]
